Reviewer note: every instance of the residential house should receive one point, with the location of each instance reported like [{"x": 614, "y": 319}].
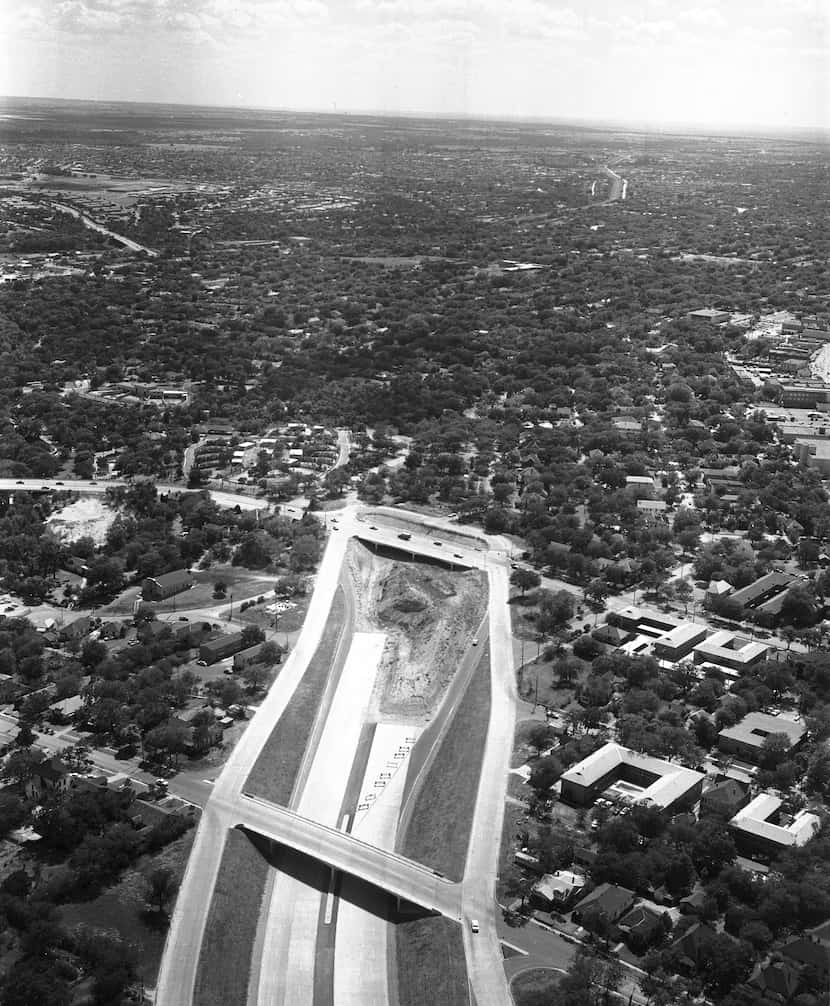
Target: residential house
[
  {"x": 724, "y": 799},
  {"x": 76, "y": 630},
  {"x": 603, "y": 906},
  {"x": 554, "y": 891},
  {"x": 49, "y": 776},
  {"x": 641, "y": 926}
]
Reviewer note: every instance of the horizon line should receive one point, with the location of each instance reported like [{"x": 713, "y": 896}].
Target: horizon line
[{"x": 633, "y": 124}]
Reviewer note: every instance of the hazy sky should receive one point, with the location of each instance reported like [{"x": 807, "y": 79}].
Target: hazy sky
[{"x": 726, "y": 62}]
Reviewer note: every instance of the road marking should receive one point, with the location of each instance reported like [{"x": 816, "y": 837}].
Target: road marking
[{"x": 518, "y": 950}]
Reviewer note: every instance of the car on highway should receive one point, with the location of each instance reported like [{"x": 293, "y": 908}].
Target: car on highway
[
  {"x": 439, "y": 543},
  {"x": 474, "y": 925},
  {"x": 372, "y": 527},
  {"x": 475, "y": 642},
  {"x": 19, "y": 482},
  {"x": 457, "y": 555},
  {"x": 59, "y": 483}
]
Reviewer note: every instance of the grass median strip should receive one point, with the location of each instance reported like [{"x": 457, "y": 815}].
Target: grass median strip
[
  {"x": 230, "y": 933},
  {"x": 275, "y": 772},
  {"x": 225, "y": 958},
  {"x": 431, "y": 966},
  {"x": 438, "y": 833}
]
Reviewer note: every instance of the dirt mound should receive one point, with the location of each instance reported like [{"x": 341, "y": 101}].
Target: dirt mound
[{"x": 429, "y": 615}]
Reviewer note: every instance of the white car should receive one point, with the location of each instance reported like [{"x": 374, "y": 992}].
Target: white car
[{"x": 474, "y": 926}]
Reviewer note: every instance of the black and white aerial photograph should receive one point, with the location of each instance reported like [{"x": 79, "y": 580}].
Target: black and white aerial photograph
[{"x": 414, "y": 503}]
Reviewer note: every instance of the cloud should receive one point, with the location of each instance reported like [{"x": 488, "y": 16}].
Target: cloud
[{"x": 194, "y": 19}]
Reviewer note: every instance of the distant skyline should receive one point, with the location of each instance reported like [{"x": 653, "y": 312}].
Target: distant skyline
[{"x": 762, "y": 63}]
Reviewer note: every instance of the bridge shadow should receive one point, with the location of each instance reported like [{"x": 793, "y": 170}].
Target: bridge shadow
[
  {"x": 318, "y": 875},
  {"x": 410, "y": 555}
]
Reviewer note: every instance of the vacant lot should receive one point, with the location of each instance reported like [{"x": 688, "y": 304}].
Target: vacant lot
[
  {"x": 225, "y": 958},
  {"x": 431, "y": 964},
  {"x": 275, "y": 772},
  {"x": 439, "y": 828},
  {"x": 123, "y": 911}
]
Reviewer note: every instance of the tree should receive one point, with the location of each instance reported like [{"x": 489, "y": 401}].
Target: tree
[
  {"x": 251, "y": 635},
  {"x": 774, "y": 750},
  {"x": 555, "y": 610},
  {"x": 539, "y": 736},
  {"x": 170, "y": 738},
  {"x": 799, "y": 606},
  {"x": 544, "y": 774},
  {"x": 254, "y": 675},
  {"x": 161, "y": 887},
  {"x": 597, "y": 590},
  {"x": 684, "y": 592},
  {"x": 525, "y": 579}
]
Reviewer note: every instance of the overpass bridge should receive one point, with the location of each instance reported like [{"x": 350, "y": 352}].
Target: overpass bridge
[
  {"x": 399, "y": 876},
  {"x": 387, "y": 542}
]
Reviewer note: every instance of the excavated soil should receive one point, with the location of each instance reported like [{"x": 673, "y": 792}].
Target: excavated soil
[{"x": 429, "y": 615}]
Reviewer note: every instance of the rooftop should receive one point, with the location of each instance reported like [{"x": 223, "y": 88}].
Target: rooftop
[
  {"x": 671, "y": 783},
  {"x": 762, "y": 586},
  {"x": 725, "y": 645},
  {"x": 754, "y": 729},
  {"x": 754, "y": 820}
]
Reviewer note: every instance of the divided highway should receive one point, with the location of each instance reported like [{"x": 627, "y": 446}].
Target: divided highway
[{"x": 228, "y": 807}]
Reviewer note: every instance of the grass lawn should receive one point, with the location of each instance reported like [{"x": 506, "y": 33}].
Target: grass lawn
[
  {"x": 439, "y": 828},
  {"x": 431, "y": 964},
  {"x": 539, "y": 681},
  {"x": 529, "y": 986},
  {"x": 242, "y": 583},
  {"x": 275, "y": 771},
  {"x": 230, "y": 931},
  {"x": 512, "y": 825},
  {"x": 122, "y": 909},
  {"x": 287, "y": 621}
]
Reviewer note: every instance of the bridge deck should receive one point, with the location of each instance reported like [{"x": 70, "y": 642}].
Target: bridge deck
[{"x": 387, "y": 870}]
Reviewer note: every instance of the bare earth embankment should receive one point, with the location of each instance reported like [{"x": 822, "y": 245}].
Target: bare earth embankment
[{"x": 429, "y": 614}]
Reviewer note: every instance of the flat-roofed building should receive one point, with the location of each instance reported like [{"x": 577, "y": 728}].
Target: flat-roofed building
[
  {"x": 709, "y": 315},
  {"x": 637, "y": 620},
  {"x": 157, "y": 588},
  {"x": 641, "y": 487},
  {"x": 763, "y": 590},
  {"x": 760, "y": 830},
  {"x": 649, "y": 781},
  {"x": 746, "y": 739},
  {"x": 725, "y": 649},
  {"x": 805, "y": 396},
  {"x": 218, "y": 649},
  {"x": 813, "y": 453},
  {"x": 253, "y": 655},
  {"x": 679, "y": 642}
]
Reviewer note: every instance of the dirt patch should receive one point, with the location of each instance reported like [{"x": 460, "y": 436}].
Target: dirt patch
[
  {"x": 429, "y": 615},
  {"x": 85, "y": 518}
]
